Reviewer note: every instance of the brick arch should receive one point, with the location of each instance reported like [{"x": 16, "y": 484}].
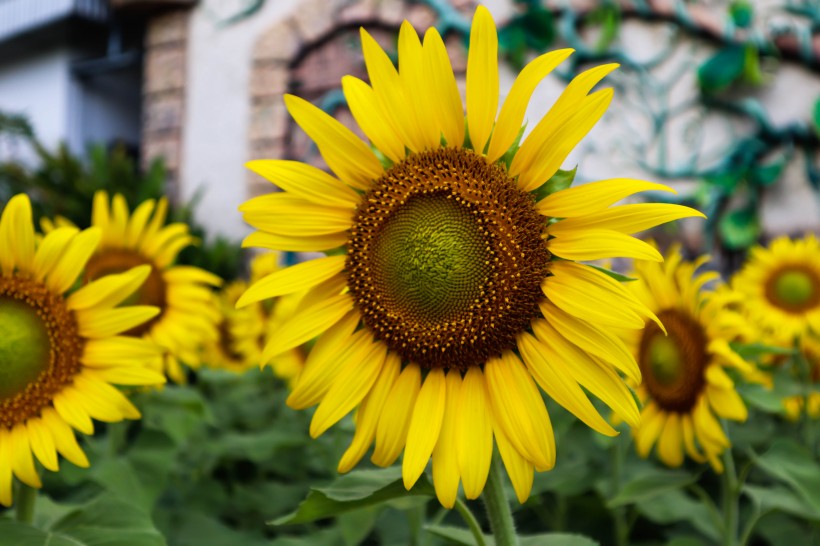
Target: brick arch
[{"x": 307, "y": 54}]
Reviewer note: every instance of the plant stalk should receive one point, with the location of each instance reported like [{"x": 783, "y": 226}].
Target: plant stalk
[
  {"x": 730, "y": 492},
  {"x": 472, "y": 523},
  {"x": 24, "y": 503},
  {"x": 498, "y": 508}
]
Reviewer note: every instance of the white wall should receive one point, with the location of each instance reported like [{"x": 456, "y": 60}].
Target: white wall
[
  {"x": 37, "y": 85},
  {"x": 217, "y": 109}
]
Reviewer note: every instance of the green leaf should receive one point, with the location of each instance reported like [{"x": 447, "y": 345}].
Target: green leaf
[
  {"x": 766, "y": 175},
  {"x": 456, "y": 535},
  {"x": 761, "y": 398},
  {"x": 648, "y": 486},
  {"x": 794, "y": 465},
  {"x": 751, "y": 351},
  {"x": 674, "y": 506},
  {"x": 740, "y": 229},
  {"x": 782, "y": 499},
  {"x": 723, "y": 68},
  {"x": 106, "y": 521},
  {"x": 358, "y": 489},
  {"x": 557, "y": 539},
  {"x": 742, "y": 13},
  {"x": 614, "y": 274},
  {"x": 724, "y": 180},
  {"x": 559, "y": 181},
  {"x": 815, "y": 115}
]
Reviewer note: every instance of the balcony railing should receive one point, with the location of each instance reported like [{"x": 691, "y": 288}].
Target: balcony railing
[{"x": 21, "y": 16}]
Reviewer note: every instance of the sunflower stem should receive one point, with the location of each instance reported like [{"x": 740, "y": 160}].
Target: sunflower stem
[
  {"x": 471, "y": 521},
  {"x": 730, "y": 491},
  {"x": 498, "y": 509},
  {"x": 616, "y": 452},
  {"x": 24, "y": 504}
]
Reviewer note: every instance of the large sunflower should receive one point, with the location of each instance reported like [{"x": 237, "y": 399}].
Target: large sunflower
[
  {"x": 448, "y": 307},
  {"x": 59, "y": 353},
  {"x": 188, "y": 315},
  {"x": 685, "y": 387},
  {"x": 781, "y": 287},
  {"x": 244, "y": 332}
]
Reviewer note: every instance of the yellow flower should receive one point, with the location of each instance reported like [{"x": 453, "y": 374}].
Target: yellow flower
[
  {"x": 188, "y": 315},
  {"x": 781, "y": 287},
  {"x": 810, "y": 350},
  {"x": 449, "y": 263},
  {"x": 685, "y": 387},
  {"x": 60, "y": 353},
  {"x": 244, "y": 332}
]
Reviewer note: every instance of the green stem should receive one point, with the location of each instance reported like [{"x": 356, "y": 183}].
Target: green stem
[
  {"x": 616, "y": 452},
  {"x": 24, "y": 503},
  {"x": 498, "y": 509},
  {"x": 117, "y": 435},
  {"x": 730, "y": 491},
  {"x": 471, "y": 522}
]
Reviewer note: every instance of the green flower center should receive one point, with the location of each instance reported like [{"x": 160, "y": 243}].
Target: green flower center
[
  {"x": 665, "y": 359},
  {"x": 24, "y": 346},
  {"x": 674, "y": 365},
  {"x": 40, "y": 348},
  {"x": 433, "y": 258},
  {"x": 446, "y": 259},
  {"x": 794, "y": 289}
]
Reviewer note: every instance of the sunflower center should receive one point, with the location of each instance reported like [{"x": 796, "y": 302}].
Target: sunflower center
[
  {"x": 674, "y": 365},
  {"x": 794, "y": 289},
  {"x": 40, "y": 348},
  {"x": 446, "y": 258},
  {"x": 152, "y": 292}
]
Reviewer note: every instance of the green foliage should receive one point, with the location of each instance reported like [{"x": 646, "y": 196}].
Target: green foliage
[
  {"x": 742, "y": 13},
  {"x": 723, "y": 68},
  {"x": 534, "y": 28}
]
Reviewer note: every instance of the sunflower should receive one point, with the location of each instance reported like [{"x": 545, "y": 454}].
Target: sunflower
[
  {"x": 244, "y": 332},
  {"x": 685, "y": 386},
  {"x": 188, "y": 316},
  {"x": 781, "y": 287},
  {"x": 446, "y": 306},
  {"x": 810, "y": 351},
  {"x": 60, "y": 353}
]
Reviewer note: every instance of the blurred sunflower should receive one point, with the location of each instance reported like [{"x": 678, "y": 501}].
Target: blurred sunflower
[
  {"x": 59, "y": 353},
  {"x": 810, "y": 351},
  {"x": 448, "y": 262},
  {"x": 188, "y": 316},
  {"x": 685, "y": 388},
  {"x": 244, "y": 331},
  {"x": 781, "y": 287}
]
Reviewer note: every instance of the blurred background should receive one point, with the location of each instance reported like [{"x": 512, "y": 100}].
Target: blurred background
[{"x": 718, "y": 98}]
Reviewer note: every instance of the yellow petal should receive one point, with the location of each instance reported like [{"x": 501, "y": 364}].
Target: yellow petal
[
  {"x": 512, "y": 112},
  {"x": 369, "y": 412},
  {"x": 689, "y": 438},
  {"x": 553, "y": 378},
  {"x": 354, "y": 381},
  {"x": 520, "y": 410},
  {"x": 652, "y": 421},
  {"x": 391, "y": 432},
  {"x": 445, "y": 457},
  {"x": 50, "y": 250},
  {"x": 597, "y": 377},
  {"x": 439, "y": 73},
  {"x": 128, "y": 375},
  {"x": 139, "y": 220},
  {"x": 285, "y": 214},
  {"x": 190, "y": 274},
  {"x": 108, "y": 291},
  {"x": 288, "y": 243},
  {"x": 482, "y": 78},
  {"x": 425, "y": 426},
  {"x": 626, "y": 218},
  {"x": 596, "y": 244},
  {"x": 6, "y": 476},
  {"x": 42, "y": 444},
  {"x": 474, "y": 432},
  {"x": 590, "y": 301},
  {"x": 104, "y": 323},
  {"x": 17, "y": 235},
  {"x": 727, "y": 403},
  {"x": 594, "y": 196},
  {"x": 293, "y": 279},
  {"x": 305, "y": 181},
  {"x": 417, "y": 88},
  {"x": 592, "y": 340},
  {"x": 100, "y": 215},
  {"x": 369, "y": 116},
  {"x": 22, "y": 463},
  {"x": 670, "y": 448},
  {"x": 73, "y": 260},
  {"x": 64, "y": 439},
  {"x": 345, "y": 154},
  {"x": 320, "y": 367},
  {"x": 519, "y": 469},
  {"x": 308, "y": 324}
]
